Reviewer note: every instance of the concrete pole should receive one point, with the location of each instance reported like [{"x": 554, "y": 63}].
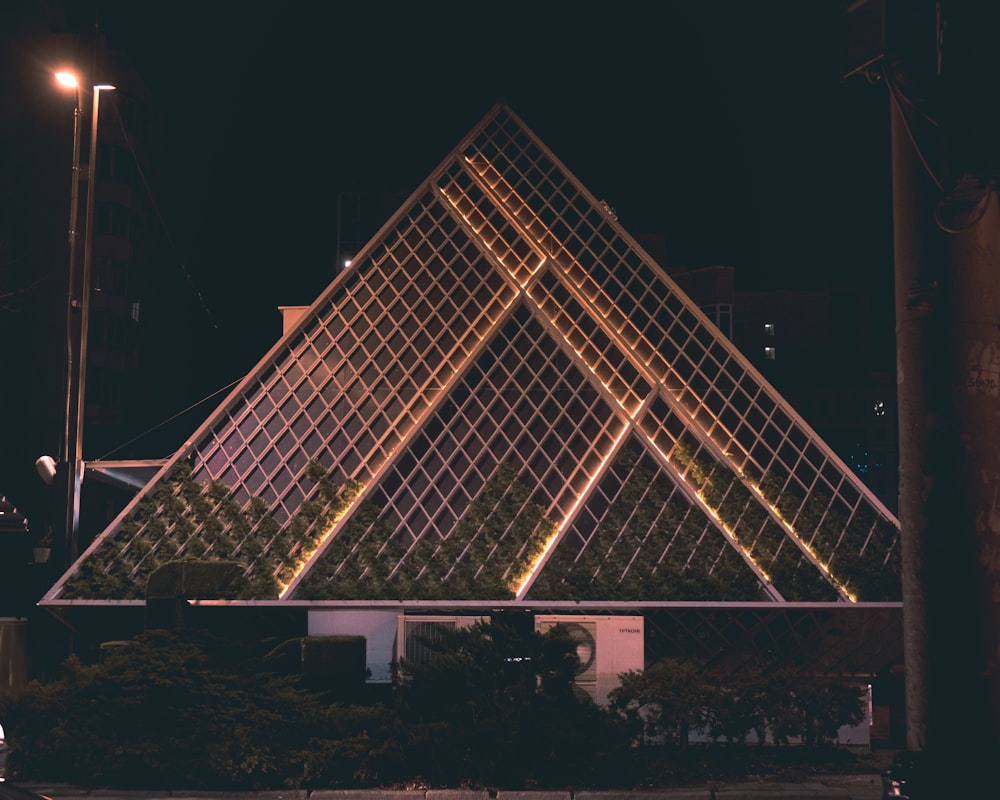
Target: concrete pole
[{"x": 947, "y": 297}]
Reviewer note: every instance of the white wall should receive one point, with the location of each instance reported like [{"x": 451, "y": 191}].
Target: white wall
[{"x": 377, "y": 626}]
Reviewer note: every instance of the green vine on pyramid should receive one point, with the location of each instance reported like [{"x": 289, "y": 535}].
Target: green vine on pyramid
[{"x": 184, "y": 520}]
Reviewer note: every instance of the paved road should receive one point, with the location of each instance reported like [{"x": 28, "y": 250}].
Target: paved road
[{"x": 839, "y": 787}]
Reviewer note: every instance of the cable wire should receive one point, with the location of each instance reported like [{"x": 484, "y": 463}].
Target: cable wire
[
  {"x": 982, "y": 205},
  {"x": 909, "y": 130},
  {"x": 172, "y": 418},
  {"x": 898, "y": 98}
]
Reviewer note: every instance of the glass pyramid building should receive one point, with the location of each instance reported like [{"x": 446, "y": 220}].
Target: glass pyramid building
[{"x": 502, "y": 399}]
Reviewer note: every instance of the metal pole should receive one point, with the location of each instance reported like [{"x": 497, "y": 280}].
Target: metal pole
[
  {"x": 74, "y": 204},
  {"x": 75, "y": 455},
  {"x": 68, "y": 478},
  {"x": 948, "y": 377}
]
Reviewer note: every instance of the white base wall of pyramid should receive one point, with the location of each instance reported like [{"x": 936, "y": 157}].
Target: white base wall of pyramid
[
  {"x": 377, "y": 626},
  {"x": 607, "y": 646}
]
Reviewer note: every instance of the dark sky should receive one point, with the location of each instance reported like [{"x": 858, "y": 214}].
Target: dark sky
[{"x": 723, "y": 125}]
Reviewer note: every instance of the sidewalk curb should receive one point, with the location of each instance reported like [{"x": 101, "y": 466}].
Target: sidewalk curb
[{"x": 825, "y": 789}]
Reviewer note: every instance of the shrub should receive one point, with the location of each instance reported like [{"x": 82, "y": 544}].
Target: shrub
[{"x": 496, "y": 707}]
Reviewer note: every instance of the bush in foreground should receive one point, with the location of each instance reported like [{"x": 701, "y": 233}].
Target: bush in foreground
[{"x": 495, "y": 707}]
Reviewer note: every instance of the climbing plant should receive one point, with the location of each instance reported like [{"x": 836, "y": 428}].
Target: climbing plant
[
  {"x": 647, "y": 545},
  {"x": 182, "y": 519},
  {"x": 490, "y": 548},
  {"x": 765, "y": 540}
]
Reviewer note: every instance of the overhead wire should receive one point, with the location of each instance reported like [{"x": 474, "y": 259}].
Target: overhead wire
[
  {"x": 187, "y": 276},
  {"x": 899, "y": 97},
  {"x": 893, "y": 93},
  {"x": 981, "y": 207},
  {"x": 170, "y": 419}
]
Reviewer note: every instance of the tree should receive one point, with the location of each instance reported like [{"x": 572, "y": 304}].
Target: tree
[
  {"x": 664, "y": 702},
  {"x": 170, "y": 709},
  {"x": 495, "y": 706},
  {"x": 735, "y": 708},
  {"x": 812, "y": 709}
]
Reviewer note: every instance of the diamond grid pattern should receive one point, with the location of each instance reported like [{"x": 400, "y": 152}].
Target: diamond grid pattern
[
  {"x": 639, "y": 536},
  {"x": 504, "y": 321},
  {"x": 505, "y": 414}
]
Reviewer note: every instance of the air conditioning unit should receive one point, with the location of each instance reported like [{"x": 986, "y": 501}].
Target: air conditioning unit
[
  {"x": 606, "y": 646},
  {"x": 416, "y": 634}
]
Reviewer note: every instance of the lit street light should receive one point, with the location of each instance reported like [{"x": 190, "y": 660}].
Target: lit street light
[
  {"x": 69, "y": 80},
  {"x": 76, "y": 337}
]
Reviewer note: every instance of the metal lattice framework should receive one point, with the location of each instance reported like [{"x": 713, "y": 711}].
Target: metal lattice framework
[{"x": 509, "y": 400}]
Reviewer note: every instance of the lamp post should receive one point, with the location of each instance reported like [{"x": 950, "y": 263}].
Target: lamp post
[
  {"x": 76, "y": 371},
  {"x": 69, "y": 80}
]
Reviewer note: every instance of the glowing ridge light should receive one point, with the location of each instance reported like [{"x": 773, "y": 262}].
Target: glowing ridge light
[
  {"x": 517, "y": 584},
  {"x": 824, "y": 568},
  {"x": 620, "y": 400},
  {"x": 491, "y": 176},
  {"x": 478, "y": 231},
  {"x": 731, "y": 535},
  {"x": 529, "y": 575},
  {"x": 726, "y": 531},
  {"x": 305, "y": 557}
]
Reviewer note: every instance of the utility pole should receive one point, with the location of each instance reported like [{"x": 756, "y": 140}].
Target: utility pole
[{"x": 946, "y": 240}]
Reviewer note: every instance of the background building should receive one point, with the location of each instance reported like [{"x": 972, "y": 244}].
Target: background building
[
  {"x": 125, "y": 384},
  {"x": 130, "y": 380},
  {"x": 828, "y": 351}
]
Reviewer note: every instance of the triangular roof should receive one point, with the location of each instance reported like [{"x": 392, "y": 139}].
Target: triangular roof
[{"x": 504, "y": 398}]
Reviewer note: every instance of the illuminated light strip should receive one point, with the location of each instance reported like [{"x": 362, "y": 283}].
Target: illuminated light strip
[
  {"x": 492, "y": 177},
  {"x": 732, "y": 537},
  {"x": 306, "y": 557},
  {"x": 427, "y": 393},
  {"x": 511, "y": 199},
  {"x": 620, "y": 400},
  {"x": 711, "y": 511},
  {"x": 518, "y": 583},
  {"x": 623, "y": 346},
  {"x": 484, "y": 167},
  {"x": 842, "y": 591},
  {"x": 504, "y": 206},
  {"x": 550, "y": 545},
  {"x": 801, "y": 543},
  {"x": 511, "y": 270},
  {"x": 482, "y": 240}
]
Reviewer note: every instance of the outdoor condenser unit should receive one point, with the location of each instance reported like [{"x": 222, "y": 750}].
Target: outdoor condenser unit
[
  {"x": 416, "y": 633},
  {"x": 605, "y": 645}
]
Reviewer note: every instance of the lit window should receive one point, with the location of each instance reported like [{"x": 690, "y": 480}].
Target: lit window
[
  {"x": 769, "y": 353},
  {"x": 769, "y": 330}
]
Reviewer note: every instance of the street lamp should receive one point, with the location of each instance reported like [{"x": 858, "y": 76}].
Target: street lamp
[
  {"x": 69, "y": 80},
  {"x": 76, "y": 342}
]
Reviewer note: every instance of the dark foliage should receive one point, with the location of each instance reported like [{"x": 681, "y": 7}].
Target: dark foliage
[
  {"x": 494, "y": 707},
  {"x": 173, "y": 709}
]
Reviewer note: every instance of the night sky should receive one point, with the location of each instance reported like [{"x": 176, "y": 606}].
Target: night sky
[{"x": 722, "y": 125}]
